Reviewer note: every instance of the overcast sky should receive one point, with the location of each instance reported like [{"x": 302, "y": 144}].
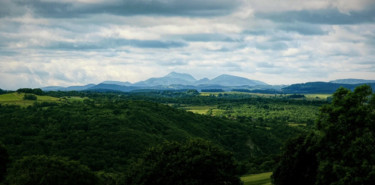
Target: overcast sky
[{"x": 76, "y": 42}]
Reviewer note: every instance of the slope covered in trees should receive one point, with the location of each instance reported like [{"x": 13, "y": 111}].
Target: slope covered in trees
[
  {"x": 105, "y": 134},
  {"x": 340, "y": 150}
]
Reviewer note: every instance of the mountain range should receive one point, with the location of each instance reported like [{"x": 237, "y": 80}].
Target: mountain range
[
  {"x": 224, "y": 82},
  {"x": 171, "y": 81}
]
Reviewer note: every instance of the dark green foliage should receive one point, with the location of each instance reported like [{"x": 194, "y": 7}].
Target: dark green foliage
[
  {"x": 104, "y": 134},
  {"x": 347, "y": 155},
  {"x": 344, "y": 146},
  {"x": 4, "y": 159},
  {"x": 212, "y": 90},
  {"x": 296, "y": 96},
  {"x": 43, "y": 170},
  {"x": 2, "y": 91},
  {"x": 194, "y": 162},
  {"x": 106, "y": 178},
  {"x": 31, "y": 91},
  {"x": 30, "y": 97},
  {"x": 298, "y": 163}
]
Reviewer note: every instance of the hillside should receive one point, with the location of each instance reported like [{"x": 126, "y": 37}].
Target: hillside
[
  {"x": 106, "y": 134},
  {"x": 352, "y": 81},
  {"x": 318, "y": 87}
]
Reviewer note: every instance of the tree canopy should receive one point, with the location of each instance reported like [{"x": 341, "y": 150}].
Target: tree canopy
[
  {"x": 44, "y": 170},
  {"x": 4, "y": 159},
  {"x": 190, "y": 163},
  {"x": 343, "y": 148}
]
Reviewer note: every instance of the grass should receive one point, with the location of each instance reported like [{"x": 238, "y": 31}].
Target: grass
[
  {"x": 199, "y": 109},
  {"x": 317, "y": 96},
  {"x": 17, "y": 99},
  {"x": 257, "y": 179}
]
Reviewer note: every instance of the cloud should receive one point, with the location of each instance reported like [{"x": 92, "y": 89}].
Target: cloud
[
  {"x": 75, "y": 42},
  {"x": 206, "y": 37},
  {"x": 66, "y": 9},
  {"x": 322, "y": 16},
  {"x": 113, "y": 44},
  {"x": 303, "y": 29}
]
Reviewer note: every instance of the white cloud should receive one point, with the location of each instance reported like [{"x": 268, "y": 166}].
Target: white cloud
[{"x": 38, "y": 50}]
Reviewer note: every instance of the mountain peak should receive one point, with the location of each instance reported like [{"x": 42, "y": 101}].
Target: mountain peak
[
  {"x": 230, "y": 80},
  {"x": 183, "y": 76}
]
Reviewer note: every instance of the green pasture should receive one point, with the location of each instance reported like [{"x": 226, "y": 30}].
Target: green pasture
[
  {"x": 297, "y": 115},
  {"x": 199, "y": 109},
  {"x": 17, "y": 99},
  {"x": 257, "y": 179}
]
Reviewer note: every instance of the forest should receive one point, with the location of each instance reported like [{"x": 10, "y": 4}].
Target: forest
[{"x": 141, "y": 137}]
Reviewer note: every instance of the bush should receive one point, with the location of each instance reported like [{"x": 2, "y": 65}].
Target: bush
[
  {"x": 4, "y": 159},
  {"x": 43, "y": 170},
  {"x": 29, "y": 97},
  {"x": 191, "y": 163}
]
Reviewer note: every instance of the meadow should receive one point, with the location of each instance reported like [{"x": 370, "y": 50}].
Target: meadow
[
  {"x": 257, "y": 179},
  {"x": 16, "y": 98}
]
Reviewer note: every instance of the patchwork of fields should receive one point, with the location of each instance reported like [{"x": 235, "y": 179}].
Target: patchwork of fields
[{"x": 18, "y": 99}]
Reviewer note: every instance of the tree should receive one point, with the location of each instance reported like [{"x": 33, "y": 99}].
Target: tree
[
  {"x": 190, "y": 163},
  {"x": 298, "y": 163},
  {"x": 342, "y": 150},
  {"x": 30, "y": 97},
  {"x": 347, "y": 126},
  {"x": 4, "y": 159},
  {"x": 44, "y": 170}
]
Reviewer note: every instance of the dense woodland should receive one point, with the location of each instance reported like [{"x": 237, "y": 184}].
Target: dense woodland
[{"x": 111, "y": 135}]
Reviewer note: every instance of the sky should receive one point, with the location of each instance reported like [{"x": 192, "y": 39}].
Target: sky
[{"x": 77, "y": 42}]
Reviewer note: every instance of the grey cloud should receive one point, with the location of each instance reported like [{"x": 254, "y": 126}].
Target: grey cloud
[
  {"x": 271, "y": 46},
  {"x": 8, "y": 8},
  {"x": 173, "y": 63},
  {"x": 206, "y": 37},
  {"x": 303, "y": 29},
  {"x": 134, "y": 7},
  {"x": 323, "y": 16},
  {"x": 265, "y": 65},
  {"x": 115, "y": 43}
]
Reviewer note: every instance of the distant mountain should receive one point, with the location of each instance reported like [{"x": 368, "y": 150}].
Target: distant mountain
[
  {"x": 182, "y": 76},
  {"x": 52, "y": 88},
  {"x": 318, "y": 87},
  {"x": 103, "y": 87},
  {"x": 118, "y": 83},
  {"x": 352, "y": 81},
  {"x": 230, "y": 80},
  {"x": 170, "y": 79},
  {"x": 202, "y": 81},
  {"x": 70, "y": 88}
]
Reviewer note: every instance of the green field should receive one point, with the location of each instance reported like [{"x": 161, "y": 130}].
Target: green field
[
  {"x": 257, "y": 179},
  {"x": 296, "y": 115},
  {"x": 17, "y": 99},
  {"x": 199, "y": 109}
]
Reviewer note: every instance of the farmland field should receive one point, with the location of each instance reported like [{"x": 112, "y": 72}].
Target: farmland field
[
  {"x": 18, "y": 99},
  {"x": 257, "y": 179}
]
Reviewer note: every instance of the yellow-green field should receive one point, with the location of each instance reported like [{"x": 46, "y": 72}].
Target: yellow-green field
[
  {"x": 318, "y": 96},
  {"x": 17, "y": 99},
  {"x": 257, "y": 179},
  {"x": 199, "y": 109}
]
